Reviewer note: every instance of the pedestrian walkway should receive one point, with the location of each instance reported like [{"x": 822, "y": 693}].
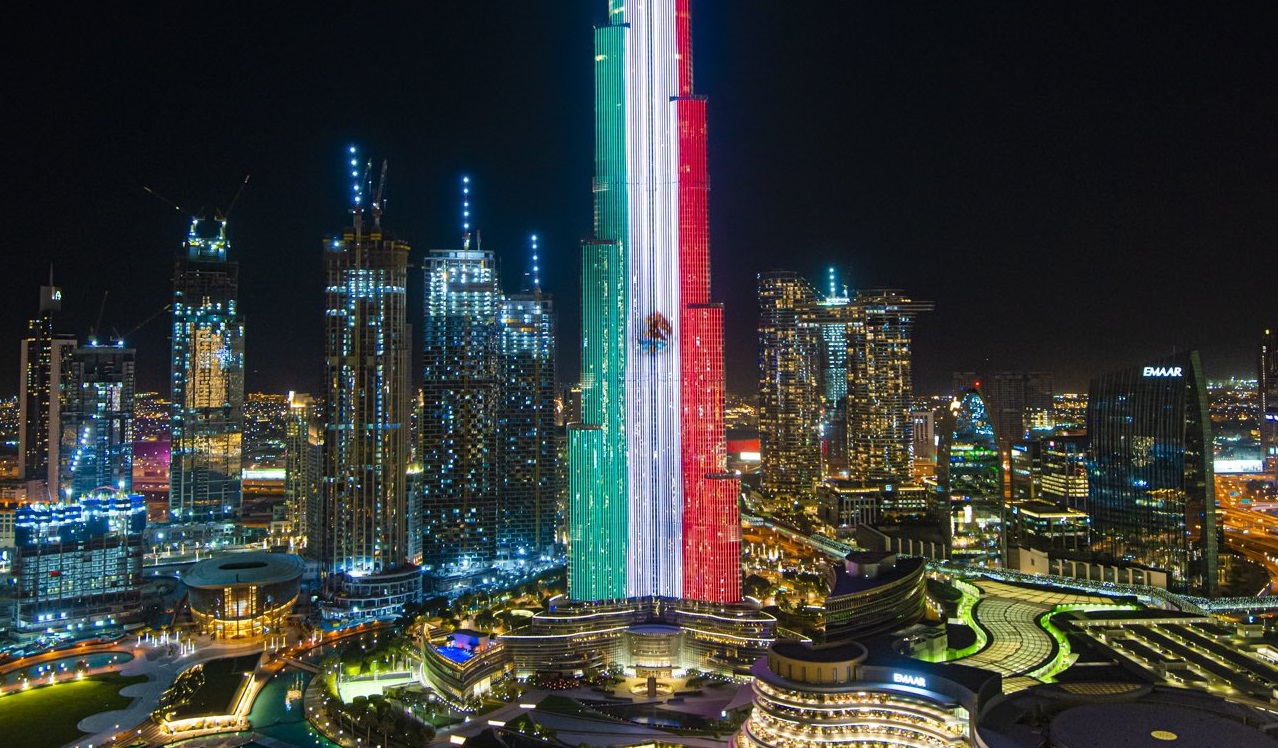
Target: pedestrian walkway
[{"x": 1018, "y": 644}]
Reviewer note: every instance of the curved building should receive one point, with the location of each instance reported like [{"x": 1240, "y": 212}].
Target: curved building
[
  {"x": 1150, "y": 485},
  {"x": 872, "y": 592},
  {"x": 244, "y": 594},
  {"x": 840, "y": 694}
]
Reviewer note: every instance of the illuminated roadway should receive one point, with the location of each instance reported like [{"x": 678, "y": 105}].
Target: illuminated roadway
[{"x": 1254, "y": 535}]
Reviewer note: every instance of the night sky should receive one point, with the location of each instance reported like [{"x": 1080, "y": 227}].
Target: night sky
[{"x": 1076, "y": 185}]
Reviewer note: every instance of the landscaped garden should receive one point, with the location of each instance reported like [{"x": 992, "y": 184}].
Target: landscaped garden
[{"x": 48, "y": 715}]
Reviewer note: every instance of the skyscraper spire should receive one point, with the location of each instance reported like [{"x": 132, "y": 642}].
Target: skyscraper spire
[
  {"x": 536, "y": 269},
  {"x": 356, "y": 190},
  {"x": 466, "y": 211}
]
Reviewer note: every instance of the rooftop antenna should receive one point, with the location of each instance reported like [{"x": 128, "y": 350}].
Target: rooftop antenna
[
  {"x": 357, "y": 196},
  {"x": 536, "y": 270},
  {"x": 465, "y": 212},
  {"x": 833, "y": 288}
]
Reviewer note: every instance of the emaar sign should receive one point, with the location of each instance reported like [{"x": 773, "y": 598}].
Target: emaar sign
[
  {"x": 1163, "y": 371},
  {"x": 909, "y": 680}
]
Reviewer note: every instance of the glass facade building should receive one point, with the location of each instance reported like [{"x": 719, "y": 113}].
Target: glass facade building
[
  {"x": 527, "y": 439},
  {"x": 881, "y": 384},
  {"x": 79, "y": 563},
  {"x": 460, "y": 394},
  {"x": 1064, "y": 480},
  {"x": 970, "y": 473},
  {"x": 97, "y": 422},
  {"x": 208, "y": 381},
  {"x": 1151, "y": 491},
  {"x": 791, "y": 385},
  {"x": 973, "y": 469}
]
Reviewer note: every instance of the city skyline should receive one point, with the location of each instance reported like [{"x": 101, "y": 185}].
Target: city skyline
[{"x": 1086, "y": 182}]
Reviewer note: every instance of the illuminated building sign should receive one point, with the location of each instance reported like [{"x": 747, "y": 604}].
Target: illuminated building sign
[
  {"x": 1162, "y": 371},
  {"x": 909, "y": 680}
]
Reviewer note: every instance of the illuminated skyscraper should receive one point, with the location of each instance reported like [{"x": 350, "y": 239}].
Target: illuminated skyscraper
[
  {"x": 527, "y": 440},
  {"x": 1150, "y": 485},
  {"x": 208, "y": 380},
  {"x": 1269, "y": 400},
  {"x": 363, "y": 522},
  {"x": 791, "y": 385},
  {"x": 459, "y": 425},
  {"x": 1014, "y": 397},
  {"x": 651, "y": 510},
  {"x": 1065, "y": 471},
  {"x": 970, "y": 473},
  {"x": 971, "y": 468},
  {"x": 881, "y": 384},
  {"x": 46, "y": 372},
  {"x": 303, "y": 458},
  {"x": 97, "y": 423}
]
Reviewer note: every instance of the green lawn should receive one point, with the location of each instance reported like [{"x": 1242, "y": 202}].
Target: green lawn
[
  {"x": 47, "y": 716},
  {"x": 222, "y": 680}
]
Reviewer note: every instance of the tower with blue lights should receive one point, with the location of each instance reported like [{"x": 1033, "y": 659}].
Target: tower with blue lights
[
  {"x": 207, "y": 379},
  {"x": 460, "y": 362},
  {"x": 527, "y": 440},
  {"x": 363, "y": 523},
  {"x": 97, "y": 422}
]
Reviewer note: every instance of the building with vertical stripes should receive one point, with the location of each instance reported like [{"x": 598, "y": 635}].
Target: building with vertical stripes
[
  {"x": 1150, "y": 485},
  {"x": 651, "y": 510}
]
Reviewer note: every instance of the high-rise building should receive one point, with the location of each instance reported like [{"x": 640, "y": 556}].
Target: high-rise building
[
  {"x": 1017, "y": 400},
  {"x": 458, "y": 450},
  {"x": 97, "y": 423},
  {"x": 791, "y": 384},
  {"x": 208, "y": 380},
  {"x": 881, "y": 384},
  {"x": 363, "y": 522},
  {"x": 970, "y": 475},
  {"x": 1150, "y": 483},
  {"x": 651, "y": 510},
  {"x": 527, "y": 439},
  {"x": 1026, "y": 466},
  {"x": 303, "y": 460},
  {"x": 45, "y": 375},
  {"x": 1065, "y": 471},
  {"x": 1268, "y": 381},
  {"x": 923, "y": 443},
  {"x": 972, "y": 467},
  {"x": 79, "y": 563},
  {"x": 266, "y": 417}
]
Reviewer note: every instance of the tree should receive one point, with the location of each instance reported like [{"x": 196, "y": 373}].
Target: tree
[{"x": 756, "y": 586}]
